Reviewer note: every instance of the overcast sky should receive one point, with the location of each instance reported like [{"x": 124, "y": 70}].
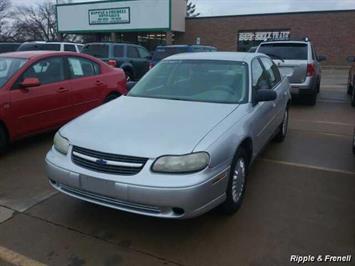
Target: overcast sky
[{"x": 234, "y": 7}]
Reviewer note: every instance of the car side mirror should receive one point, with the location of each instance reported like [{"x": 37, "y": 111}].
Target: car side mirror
[
  {"x": 265, "y": 95},
  {"x": 30, "y": 82},
  {"x": 350, "y": 59},
  {"x": 130, "y": 85},
  {"x": 149, "y": 57},
  {"x": 322, "y": 58}
]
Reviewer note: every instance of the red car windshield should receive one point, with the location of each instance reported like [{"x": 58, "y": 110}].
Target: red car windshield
[{"x": 8, "y": 67}]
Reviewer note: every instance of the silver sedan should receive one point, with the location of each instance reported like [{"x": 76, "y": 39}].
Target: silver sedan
[{"x": 181, "y": 142}]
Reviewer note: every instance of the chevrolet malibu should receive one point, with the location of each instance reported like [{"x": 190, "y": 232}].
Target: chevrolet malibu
[
  {"x": 181, "y": 142},
  {"x": 40, "y": 90}
]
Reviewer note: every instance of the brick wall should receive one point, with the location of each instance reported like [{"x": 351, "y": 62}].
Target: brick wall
[{"x": 332, "y": 33}]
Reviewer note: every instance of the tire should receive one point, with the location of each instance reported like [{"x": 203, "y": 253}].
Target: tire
[
  {"x": 350, "y": 87},
  {"x": 318, "y": 87},
  {"x": 283, "y": 128},
  {"x": 111, "y": 97},
  {"x": 311, "y": 99},
  {"x": 4, "y": 140},
  {"x": 353, "y": 97},
  {"x": 129, "y": 75},
  {"x": 236, "y": 183}
]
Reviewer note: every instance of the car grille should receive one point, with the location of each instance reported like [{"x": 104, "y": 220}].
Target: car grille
[
  {"x": 110, "y": 201},
  {"x": 106, "y": 162}
]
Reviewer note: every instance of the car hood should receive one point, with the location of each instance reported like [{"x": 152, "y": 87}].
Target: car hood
[{"x": 146, "y": 127}]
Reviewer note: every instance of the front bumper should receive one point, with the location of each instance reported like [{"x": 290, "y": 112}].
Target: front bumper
[{"x": 118, "y": 192}]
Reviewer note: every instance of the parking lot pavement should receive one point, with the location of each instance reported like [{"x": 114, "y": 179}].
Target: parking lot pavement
[{"x": 300, "y": 200}]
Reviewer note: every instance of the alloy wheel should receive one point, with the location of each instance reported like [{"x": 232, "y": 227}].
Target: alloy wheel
[{"x": 238, "y": 181}]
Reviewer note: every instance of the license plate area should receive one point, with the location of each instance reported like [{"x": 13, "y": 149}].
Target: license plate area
[{"x": 97, "y": 185}]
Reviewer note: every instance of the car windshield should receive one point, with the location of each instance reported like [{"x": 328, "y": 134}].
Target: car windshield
[
  {"x": 8, "y": 67},
  {"x": 196, "y": 80},
  {"x": 164, "y": 52},
  {"x": 39, "y": 47},
  {"x": 287, "y": 51},
  {"x": 96, "y": 50}
]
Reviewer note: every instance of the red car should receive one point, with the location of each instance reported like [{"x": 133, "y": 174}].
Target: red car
[{"x": 42, "y": 90}]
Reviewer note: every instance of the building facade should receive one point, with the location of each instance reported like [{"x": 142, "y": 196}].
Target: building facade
[
  {"x": 331, "y": 32},
  {"x": 158, "y": 22}
]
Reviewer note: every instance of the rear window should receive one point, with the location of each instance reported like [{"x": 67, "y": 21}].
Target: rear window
[
  {"x": 97, "y": 50},
  {"x": 39, "y": 47},
  {"x": 161, "y": 53},
  {"x": 288, "y": 51}
]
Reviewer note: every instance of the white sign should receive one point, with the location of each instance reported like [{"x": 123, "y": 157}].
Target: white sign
[
  {"x": 124, "y": 16},
  {"x": 109, "y": 16},
  {"x": 264, "y": 35}
]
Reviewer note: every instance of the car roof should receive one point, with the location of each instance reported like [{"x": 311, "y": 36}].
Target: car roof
[
  {"x": 50, "y": 42},
  {"x": 272, "y": 42},
  {"x": 110, "y": 43},
  {"x": 223, "y": 56},
  {"x": 34, "y": 54},
  {"x": 183, "y": 46}
]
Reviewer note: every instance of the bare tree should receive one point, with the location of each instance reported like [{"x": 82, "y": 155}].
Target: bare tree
[
  {"x": 4, "y": 9},
  {"x": 37, "y": 22},
  {"x": 191, "y": 10}
]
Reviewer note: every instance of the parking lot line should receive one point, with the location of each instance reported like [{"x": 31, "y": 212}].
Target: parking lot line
[
  {"x": 309, "y": 166},
  {"x": 322, "y": 133},
  {"x": 325, "y": 122},
  {"x": 14, "y": 258}
]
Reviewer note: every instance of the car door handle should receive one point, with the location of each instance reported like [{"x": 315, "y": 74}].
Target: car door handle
[
  {"x": 61, "y": 90},
  {"x": 99, "y": 83},
  {"x": 273, "y": 105}
]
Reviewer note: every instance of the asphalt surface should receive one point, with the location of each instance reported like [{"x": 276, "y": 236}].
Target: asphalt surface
[{"x": 300, "y": 201}]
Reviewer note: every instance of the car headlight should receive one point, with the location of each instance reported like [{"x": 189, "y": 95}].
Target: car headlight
[
  {"x": 189, "y": 163},
  {"x": 61, "y": 144}
]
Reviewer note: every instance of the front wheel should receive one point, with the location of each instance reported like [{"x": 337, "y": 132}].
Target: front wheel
[
  {"x": 111, "y": 97},
  {"x": 236, "y": 183},
  {"x": 311, "y": 99},
  {"x": 283, "y": 128},
  {"x": 3, "y": 140}
]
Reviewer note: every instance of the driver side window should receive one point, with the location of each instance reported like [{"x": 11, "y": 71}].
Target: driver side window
[{"x": 48, "y": 71}]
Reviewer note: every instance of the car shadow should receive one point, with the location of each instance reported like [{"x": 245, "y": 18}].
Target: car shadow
[{"x": 37, "y": 143}]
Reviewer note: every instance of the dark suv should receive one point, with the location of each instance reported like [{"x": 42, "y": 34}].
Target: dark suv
[
  {"x": 133, "y": 59},
  {"x": 162, "y": 52},
  {"x": 6, "y": 47}
]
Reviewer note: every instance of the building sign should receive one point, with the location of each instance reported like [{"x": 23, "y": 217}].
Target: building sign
[
  {"x": 121, "y": 16},
  {"x": 264, "y": 35},
  {"x": 109, "y": 16}
]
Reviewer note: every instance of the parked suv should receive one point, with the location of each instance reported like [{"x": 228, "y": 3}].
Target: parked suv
[
  {"x": 299, "y": 62},
  {"x": 133, "y": 59},
  {"x": 162, "y": 52},
  {"x": 6, "y": 47},
  {"x": 51, "y": 46}
]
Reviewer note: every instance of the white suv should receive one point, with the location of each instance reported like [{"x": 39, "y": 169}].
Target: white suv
[
  {"x": 51, "y": 46},
  {"x": 299, "y": 62}
]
